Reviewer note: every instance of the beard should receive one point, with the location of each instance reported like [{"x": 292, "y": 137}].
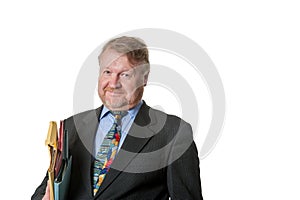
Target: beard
[{"x": 116, "y": 103}]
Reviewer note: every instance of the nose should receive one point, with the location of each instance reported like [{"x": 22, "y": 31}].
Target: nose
[{"x": 114, "y": 81}]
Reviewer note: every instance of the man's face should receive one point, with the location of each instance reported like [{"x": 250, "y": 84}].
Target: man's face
[{"x": 120, "y": 84}]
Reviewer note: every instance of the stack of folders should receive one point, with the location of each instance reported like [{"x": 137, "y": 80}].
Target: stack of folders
[{"x": 59, "y": 170}]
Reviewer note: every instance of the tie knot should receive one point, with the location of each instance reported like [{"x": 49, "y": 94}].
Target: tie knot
[{"x": 118, "y": 115}]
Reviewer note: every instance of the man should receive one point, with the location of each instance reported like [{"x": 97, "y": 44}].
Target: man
[{"x": 151, "y": 155}]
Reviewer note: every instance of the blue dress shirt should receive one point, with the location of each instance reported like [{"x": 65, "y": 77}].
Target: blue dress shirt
[{"x": 107, "y": 120}]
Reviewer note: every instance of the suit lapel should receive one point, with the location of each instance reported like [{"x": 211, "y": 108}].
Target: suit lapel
[{"x": 86, "y": 127}]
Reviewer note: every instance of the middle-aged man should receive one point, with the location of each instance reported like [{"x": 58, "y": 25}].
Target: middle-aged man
[{"x": 125, "y": 149}]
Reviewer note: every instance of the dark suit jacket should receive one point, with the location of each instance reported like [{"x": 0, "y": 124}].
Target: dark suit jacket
[{"x": 157, "y": 160}]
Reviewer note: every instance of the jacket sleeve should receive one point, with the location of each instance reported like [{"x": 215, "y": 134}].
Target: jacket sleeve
[
  {"x": 183, "y": 172},
  {"x": 40, "y": 190}
]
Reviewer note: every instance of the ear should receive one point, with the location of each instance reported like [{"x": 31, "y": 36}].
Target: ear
[{"x": 146, "y": 79}]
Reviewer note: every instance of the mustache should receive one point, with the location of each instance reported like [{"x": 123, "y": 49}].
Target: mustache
[{"x": 109, "y": 89}]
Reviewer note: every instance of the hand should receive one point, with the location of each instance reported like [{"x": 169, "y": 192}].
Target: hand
[{"x": 47, "y": 194}]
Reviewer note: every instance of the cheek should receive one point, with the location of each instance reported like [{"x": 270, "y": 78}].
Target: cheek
[
  {"x": 128, "y": 87},
  {"x": 131, "y": 88},
  {"x": 101, "y": 85}
]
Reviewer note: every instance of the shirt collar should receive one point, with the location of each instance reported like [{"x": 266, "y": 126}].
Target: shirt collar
[{"x": 132, "y": 112}]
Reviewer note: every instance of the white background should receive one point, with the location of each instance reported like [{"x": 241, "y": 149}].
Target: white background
[{"x": 255, "y": 46}]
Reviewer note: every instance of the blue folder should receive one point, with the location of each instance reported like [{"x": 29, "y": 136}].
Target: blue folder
[{"x": 62, "y": 180}]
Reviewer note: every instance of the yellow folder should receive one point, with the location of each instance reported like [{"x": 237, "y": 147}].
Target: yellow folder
[{"x": 51, "y": 142}]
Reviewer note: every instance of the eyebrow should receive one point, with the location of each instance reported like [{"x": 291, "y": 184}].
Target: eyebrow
[{"x": 125, "y": 70}]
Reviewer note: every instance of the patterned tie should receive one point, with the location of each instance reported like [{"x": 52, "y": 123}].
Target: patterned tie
[{"x": 107, "y": 150}]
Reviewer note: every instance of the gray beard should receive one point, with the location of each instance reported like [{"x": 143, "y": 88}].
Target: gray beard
[{"x": 116, "y": 104}]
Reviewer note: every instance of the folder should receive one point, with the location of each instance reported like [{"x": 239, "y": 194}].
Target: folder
[
  {"x": 59, "y": 170},
  {"x": 62, "y": 181},
  {"x": 51, "y": 142}
]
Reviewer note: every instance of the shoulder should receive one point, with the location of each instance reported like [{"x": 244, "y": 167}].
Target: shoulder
[
  {"x": 84, "y": 116},
  {"x": 78, "y": 120},
  {"x": 158, "y": 120},
  {"x": 80, "y": 127},
  {"x": 159, "y": 116}
]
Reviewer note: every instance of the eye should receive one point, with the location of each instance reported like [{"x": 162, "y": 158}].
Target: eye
[
  {"x": 106, "y": 72},
  {"x": 126, "y": 75}
]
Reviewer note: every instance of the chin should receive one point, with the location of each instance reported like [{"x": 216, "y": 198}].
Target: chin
[{"x": 115, "y": 105}]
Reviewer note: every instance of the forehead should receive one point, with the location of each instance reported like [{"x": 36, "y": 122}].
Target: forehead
[{"x": 111, "y": 58}]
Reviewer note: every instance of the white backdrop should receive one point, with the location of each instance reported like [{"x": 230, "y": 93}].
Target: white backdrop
[{"x": 255, "y": 46}]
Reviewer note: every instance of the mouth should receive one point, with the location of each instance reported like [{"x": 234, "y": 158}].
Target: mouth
[{"x": 113, "y": 92}]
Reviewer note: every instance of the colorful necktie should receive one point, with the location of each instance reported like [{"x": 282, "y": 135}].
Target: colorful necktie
[{"x": 107, "y": 150}]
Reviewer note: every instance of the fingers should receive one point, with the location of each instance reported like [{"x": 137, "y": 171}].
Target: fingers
[{"x": 47, "y": 194}]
